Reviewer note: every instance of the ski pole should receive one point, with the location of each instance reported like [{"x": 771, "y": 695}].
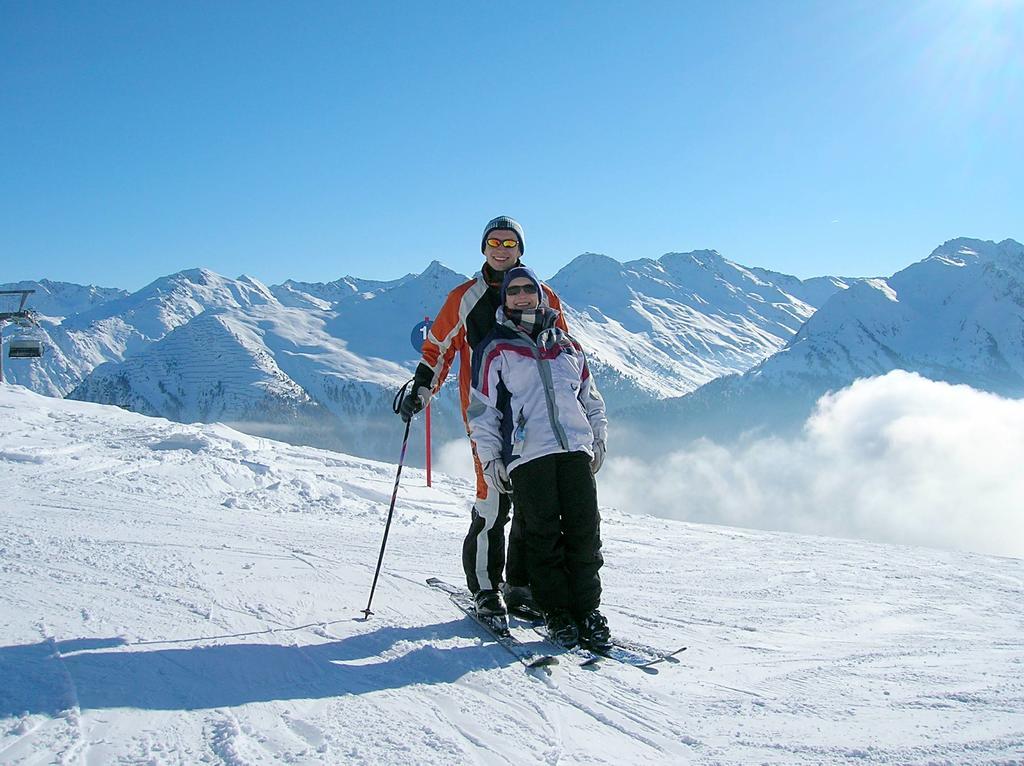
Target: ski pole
[{"x": 394, "y": 496}]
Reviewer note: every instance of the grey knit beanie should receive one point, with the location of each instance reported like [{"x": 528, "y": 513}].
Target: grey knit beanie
[
  {"x": 503, "y": 222},
  {"x": 521, "y": 271}
]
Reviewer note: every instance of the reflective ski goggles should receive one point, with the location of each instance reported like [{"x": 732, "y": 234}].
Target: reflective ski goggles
[
  {"x": 503, "y": 243},
  {"x": 524, "y": 289}
]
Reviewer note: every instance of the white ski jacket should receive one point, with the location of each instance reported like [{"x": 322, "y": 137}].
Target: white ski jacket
[{"x": 532, "y": 398}]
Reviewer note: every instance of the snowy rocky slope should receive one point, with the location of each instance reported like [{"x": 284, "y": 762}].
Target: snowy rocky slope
[
  {"x": 69, "y": 357},
  {"x": 814, "y": 291},
  {"x": 664, "y": 327},
  {"x": 296, "y": 371},
  {"x": 957, "y": 316},
  {"x": 318, "y": 363},
  {"x": 273, "y": 369},
  {"x": 189, "y": 594},
  {"x": 61, "y": 299},
  {"x": 116, "y": 329},
  {"x": 324, "y": 294}
]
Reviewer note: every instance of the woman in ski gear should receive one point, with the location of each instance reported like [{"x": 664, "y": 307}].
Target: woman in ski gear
[
  {"x": 538, "y": 425},
  {"x": 467, "y": 316}
]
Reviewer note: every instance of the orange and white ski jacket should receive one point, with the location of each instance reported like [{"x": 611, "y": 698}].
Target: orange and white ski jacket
[{"x": 465, "y": 319}]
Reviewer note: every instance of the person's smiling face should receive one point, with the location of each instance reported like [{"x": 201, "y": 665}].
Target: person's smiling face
[
  {"x": 517, "y": 296},
  {"x": 501, "y": 258}
]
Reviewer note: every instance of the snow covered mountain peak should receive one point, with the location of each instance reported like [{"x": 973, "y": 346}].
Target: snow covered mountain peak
[
  {"x": 653, "y": 328},
  {"x": 170, "y": 302},
  {"x": 981, "y": 248},
  {"x": 215, "y": 367},
  {"x": 657, "y": 328},
  {"x": 881, "y": 286},
  {"x": 257, "y": 285},
  {"x": 709, "y": 269},
  {"x": 704, "y": 259},
  {"x": 965, "y": 252},
  {"x": 956, "y": 316},
  {"x": 208, "y": 287},
  {"x": 666, "y": 326},
  {"x": 588, "y": 262},
  {"x": 116, "y": 329},
  {"x": 967, "y": 296},
  {"x": 437, "y": 270},
  {"x": 596, "y": 267},
  {"x": 326, "y": 294},
  {"x": 62, "y": 299},
  {"x": 198, "y": 276}
]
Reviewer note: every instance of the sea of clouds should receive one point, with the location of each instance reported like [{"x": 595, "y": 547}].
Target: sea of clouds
[{"x": 897, "y": 458}]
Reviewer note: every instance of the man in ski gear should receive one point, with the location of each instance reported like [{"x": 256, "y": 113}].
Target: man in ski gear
[
  {"x": 467, "y": 316},
  {"x": 537, "y": 417}
]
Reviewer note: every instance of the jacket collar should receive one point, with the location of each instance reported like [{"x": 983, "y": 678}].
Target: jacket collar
[{"x": 495, "y": 278}]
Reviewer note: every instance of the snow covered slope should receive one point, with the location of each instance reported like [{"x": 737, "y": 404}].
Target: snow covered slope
[
  {"x": 814, "y": 291},
  {"x": 66, "y": 361},
  {"x": 379, "y": 324},
  {"x": 270, "y": 369},
  {"x": 299, "y": 372},
  {"x": 957, "y": 316},
  {"x": 323, "y": 294},
  {"x": 212, "y": 368},
  {"x": 113, "y": 330},
  {"x": 188, "y": 594}
]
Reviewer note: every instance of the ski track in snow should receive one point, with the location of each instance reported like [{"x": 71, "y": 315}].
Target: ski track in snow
[{"x": 189, "y": 594}]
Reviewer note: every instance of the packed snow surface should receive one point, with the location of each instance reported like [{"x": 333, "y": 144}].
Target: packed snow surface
[{"x": 188, "y": 594}]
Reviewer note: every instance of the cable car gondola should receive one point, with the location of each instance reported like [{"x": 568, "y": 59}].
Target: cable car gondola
[
  {"x": 12, "y": 309},
  {"x": 24, "y": 348}
]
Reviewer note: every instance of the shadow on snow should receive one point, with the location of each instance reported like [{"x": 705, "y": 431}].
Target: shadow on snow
[{"x": 50, "y": 677}]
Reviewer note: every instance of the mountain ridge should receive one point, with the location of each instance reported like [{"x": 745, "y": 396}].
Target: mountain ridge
[
  {"x": 955, "y": 316},
  {"x": 655, "y": 330}
]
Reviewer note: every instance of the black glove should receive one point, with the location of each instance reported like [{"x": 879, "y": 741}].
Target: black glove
[{"x": 413, "y": 403}]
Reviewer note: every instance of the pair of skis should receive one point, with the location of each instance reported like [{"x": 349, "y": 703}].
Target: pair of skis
[{"x": 623, "y": 651}]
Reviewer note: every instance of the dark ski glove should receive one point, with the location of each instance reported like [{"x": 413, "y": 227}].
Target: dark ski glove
[{"x": 413, "y": 403}]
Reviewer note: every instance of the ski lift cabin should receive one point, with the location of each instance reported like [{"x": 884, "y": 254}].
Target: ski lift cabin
[
  {"x": 24, "y": 348},
  {"x": 12, "y": 309}
]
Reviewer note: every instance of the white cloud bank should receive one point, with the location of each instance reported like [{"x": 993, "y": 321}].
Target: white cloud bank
[
  {"x": 897, "y": 458},
  {"x": 455, "y": 458}
]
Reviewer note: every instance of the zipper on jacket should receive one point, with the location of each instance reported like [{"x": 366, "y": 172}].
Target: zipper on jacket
[{"x": 549, "y": 393}]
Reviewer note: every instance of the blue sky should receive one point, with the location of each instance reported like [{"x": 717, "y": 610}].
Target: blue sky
[{"x": 312, "y": 140}]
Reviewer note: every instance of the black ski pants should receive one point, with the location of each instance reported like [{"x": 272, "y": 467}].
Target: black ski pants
[{"x": 557, "y": 498}]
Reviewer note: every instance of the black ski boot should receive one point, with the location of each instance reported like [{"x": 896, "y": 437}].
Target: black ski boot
[
  {"x": 562, "y": 628},
  {"x": 594, "y": 631},
  {"x": 519, "y": 600},
  {"x": 491, "y": 609}
]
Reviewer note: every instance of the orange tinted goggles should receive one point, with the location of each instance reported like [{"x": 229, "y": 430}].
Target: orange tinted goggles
[{"x": 503, "y": 242}]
